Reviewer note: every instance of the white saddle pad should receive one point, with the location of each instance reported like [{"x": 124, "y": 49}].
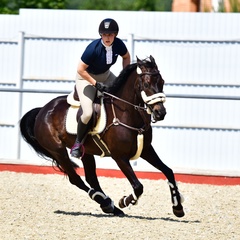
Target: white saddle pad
[
  {"x": 71, "y": 120},
  {"x": 71, "y": 123}
]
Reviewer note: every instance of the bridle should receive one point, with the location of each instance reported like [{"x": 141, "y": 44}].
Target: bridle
[
  {"x": 155, "y": 98},
  {"x": 116, "y": 120},
  {"x": 148, "y": 100},
  {"x": 148, "y": 73}
]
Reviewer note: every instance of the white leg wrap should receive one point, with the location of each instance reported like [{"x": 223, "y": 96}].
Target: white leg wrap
[
  {"x": 124, "y": 201},
  {"x": 175, "y": 202},
  {"x": 133, "y": 202},
  {"x": 182, "y": 198},
  {"x": 134, "y": 196},
  {"x": 97, "y": 193},
  {"x": 90, "y": 191}
]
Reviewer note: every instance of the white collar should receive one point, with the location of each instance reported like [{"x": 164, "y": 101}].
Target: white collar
[
  {"x": 108, "y": 53},
  {"x": 107, "y": 47}
]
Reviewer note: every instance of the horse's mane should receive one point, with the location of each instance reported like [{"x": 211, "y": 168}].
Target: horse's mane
[{"x": 122, "y": 78}]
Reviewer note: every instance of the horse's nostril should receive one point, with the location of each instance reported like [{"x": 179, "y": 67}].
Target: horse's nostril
[{"x": 159, "y": 114}]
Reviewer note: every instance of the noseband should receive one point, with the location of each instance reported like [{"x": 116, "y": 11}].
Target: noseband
[{"x": 157, "y": 97}]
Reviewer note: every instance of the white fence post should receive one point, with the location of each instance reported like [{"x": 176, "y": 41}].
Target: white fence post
[
  {"x": 130, "y": 41},
  {"x": 19, "y": 84}
]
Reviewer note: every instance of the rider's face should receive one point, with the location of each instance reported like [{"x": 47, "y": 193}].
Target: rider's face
[{"x": 108, "y": 38}]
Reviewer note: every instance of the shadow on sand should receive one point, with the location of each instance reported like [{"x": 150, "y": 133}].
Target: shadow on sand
[{"x": 102, "y": 215}]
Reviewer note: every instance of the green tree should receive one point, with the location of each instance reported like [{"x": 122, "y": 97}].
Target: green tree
[
  {"x": 13, "y": 6},
  {"x": 235, "y": 6},
  {"x": 144, "y": 5},
  {"x": 164, "y": 5},
  {"x": 147, "y": 5}
]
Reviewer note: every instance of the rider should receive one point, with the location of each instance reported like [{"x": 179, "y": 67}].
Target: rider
[{"x": 93, "y": 73}]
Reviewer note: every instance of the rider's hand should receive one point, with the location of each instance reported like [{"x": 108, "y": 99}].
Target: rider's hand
[{"x": 100, "y": 87}]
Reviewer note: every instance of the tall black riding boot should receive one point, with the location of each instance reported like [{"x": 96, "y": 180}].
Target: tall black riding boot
[{"x": 82, "y": 130}]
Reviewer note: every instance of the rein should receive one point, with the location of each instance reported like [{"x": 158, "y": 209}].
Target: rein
[
  {"x": 148, "y": 100},
  {"x": 116, "y": 121},
  {"x": 122, "y": 100}
]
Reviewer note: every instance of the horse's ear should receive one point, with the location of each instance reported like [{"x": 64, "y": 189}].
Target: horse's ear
[
  {"x": 139, "y": 62},
  {"x": 152, "y": 59}
]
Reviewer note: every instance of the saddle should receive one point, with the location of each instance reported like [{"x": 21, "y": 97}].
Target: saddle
[
  {"x": 99, "y": 123},
  {"x": 99, "y": 119}
]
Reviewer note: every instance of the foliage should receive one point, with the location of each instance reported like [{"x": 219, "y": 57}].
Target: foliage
[
  {"x": 221, "y": 7},
  {"x": 134, "y": 5},
  {"x": 13, "y": 6},
  {"x": 235, "y": 6}
]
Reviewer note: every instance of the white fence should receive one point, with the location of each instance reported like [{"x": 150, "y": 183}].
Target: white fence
[{"x": 197, "y": 54}]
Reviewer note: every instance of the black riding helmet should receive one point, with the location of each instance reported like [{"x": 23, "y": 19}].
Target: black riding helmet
[{"x": 108, "y": 25}]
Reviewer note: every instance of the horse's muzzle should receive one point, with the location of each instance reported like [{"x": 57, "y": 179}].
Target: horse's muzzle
[{"x": 158, "y": 112}]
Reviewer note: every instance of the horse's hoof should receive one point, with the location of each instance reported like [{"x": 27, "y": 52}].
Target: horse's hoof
[
  {"x": 178, "y": 212},
  {"x": 121, "y": 203},
  {"x": 107, "y": 206},
  {"x": 118, "y": 212}
]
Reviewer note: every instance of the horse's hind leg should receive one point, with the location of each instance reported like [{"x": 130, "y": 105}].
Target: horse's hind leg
[
  {"x": 90, "y": 172},
  {"x": 91, "y": 177},
  {"x": 150, "y": 156},
  {"x": 60, "y": 155}
]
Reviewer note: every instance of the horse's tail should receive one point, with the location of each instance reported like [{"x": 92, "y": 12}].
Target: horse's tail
[{"x": 27, "y": 123}]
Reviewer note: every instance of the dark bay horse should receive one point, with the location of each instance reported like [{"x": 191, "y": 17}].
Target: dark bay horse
[{"x": 132, "y": 102}]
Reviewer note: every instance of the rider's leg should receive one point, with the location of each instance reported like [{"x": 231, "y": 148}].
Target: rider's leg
[
  {"x": 86, "y": 94},
  {"x": 82, "y": 130}
]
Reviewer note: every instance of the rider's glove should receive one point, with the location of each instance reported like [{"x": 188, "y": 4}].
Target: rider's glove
[{"x": 100, "y": 87}]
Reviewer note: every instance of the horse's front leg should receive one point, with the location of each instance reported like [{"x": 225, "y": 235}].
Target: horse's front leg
[
  {"x": 150, "y": 156},
  {"x": 127, "y": 170},
  {"x": 96, "y": 193}
]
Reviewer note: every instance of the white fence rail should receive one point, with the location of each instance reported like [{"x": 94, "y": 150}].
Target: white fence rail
[{"x": 198, "y": 56}]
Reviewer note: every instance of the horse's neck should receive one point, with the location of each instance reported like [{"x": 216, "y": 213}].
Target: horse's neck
[
  {"x": 127, "y": 91},
  {"x": 129, "y": 94}
]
